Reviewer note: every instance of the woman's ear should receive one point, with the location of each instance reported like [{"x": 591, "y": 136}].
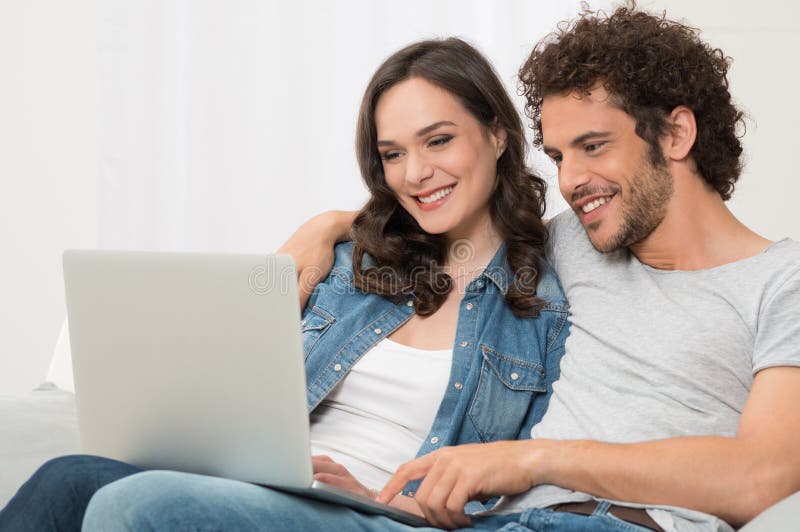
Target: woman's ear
[
  {"x": 499, "y": 135},
  {"x": 682, "y": 133}
]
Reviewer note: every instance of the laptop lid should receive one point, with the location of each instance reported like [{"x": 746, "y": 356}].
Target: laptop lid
[{"x": 177, "y": 356}]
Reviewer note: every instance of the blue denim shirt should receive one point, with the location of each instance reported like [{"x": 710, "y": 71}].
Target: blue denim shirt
[{"x": 503, "y": 366}]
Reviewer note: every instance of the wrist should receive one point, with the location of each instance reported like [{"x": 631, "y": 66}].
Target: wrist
[{"x": 543, "y": 461}]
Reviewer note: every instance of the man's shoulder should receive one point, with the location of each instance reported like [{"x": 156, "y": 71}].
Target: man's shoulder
[
  {"x": 565, "y": 222},
  {"x": 780, "y": 265}
]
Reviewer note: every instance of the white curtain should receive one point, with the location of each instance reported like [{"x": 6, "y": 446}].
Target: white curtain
[{"x": 224, "y": 125}]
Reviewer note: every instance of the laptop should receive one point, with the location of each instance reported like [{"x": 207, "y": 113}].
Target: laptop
[{"x": 193, "y": 362}]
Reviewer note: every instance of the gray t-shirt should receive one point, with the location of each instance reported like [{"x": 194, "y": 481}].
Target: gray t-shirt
[{"x": 660, "y": 354}]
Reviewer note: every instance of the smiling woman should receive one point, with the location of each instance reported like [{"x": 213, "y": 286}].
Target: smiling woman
[
  {"x": 442, "y": 173},
  {"x": 440, "y": 325},
  {"x": 442, "y": 151}
]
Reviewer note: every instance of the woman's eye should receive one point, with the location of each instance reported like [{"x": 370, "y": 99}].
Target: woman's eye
[
  {"x": 390, "y": 155},
  {"x": 440, "y": 141}
]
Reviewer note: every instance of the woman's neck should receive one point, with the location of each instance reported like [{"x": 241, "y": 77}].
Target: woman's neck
[{"x": 469, "y": 255}]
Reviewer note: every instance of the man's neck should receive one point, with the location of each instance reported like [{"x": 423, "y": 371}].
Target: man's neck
[{"x": 698, "y": 232}]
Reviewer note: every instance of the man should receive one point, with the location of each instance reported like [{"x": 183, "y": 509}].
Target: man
[{"x": 679, "y": 384}]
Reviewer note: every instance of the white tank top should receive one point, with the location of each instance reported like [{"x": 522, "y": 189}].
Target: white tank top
[{"x": 378, "y": 416}]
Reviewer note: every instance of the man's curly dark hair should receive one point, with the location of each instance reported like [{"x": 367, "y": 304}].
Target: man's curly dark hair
[{"x": 649, "y": 65}]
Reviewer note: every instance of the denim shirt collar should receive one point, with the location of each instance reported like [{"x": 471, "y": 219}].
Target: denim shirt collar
[{"x": 498, "y": 272}]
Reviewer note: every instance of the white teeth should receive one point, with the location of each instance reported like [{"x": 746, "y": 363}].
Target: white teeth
[
  {"x": 439, "y": 194},
  {"x": 592, "y": 205}
]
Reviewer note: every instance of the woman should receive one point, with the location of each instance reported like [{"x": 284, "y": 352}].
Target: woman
[{"x": 440, "y": 324}]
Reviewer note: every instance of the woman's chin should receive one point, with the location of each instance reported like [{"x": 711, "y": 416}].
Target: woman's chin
[{"x": 434, "y": 228}]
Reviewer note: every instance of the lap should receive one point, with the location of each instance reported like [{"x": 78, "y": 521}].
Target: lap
[{"x": 167, "y": 500}]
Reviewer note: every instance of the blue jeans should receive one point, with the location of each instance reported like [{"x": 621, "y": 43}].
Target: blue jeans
[
  {"x": 57, "y": 495},
  {"x": 167, "y": 500}
]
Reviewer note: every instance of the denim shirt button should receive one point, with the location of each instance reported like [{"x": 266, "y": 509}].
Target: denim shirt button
[
  {"x": 337, "y": 367},
  {"x": 469, "y": 306},
  {"x": 435, "y": 440},
  {"x": 411, "y": 494},
  {"x": 410, "y": 303},
  {"x": 458, "y": 386},
  {"x": 514, "y": 376},
  {"x": 463, "y": 343},
  {"x": 378, "y": 330}
]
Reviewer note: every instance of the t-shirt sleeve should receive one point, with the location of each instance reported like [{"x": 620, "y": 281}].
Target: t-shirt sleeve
[{"x": 778, "y": 334}]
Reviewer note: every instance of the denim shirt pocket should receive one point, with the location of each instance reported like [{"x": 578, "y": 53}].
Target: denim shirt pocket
[
  {"x": 314, "y": 324},
  {"x": 504, "y": 394}
]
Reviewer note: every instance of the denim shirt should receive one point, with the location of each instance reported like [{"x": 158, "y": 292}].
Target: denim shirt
[{"x": 503, "y": 366}]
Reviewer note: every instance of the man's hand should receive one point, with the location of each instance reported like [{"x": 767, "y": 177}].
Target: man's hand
[
  {"x": 335, "y": 474},
  {"x": 457, "y": 475},
  {"x": 311, "y": 247}
]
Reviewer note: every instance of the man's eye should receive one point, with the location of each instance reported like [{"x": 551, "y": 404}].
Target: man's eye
[
  {"x": 594, "y": 147},
  {"x": 440, "y": 141},
  {"x": 556, "y": 159}
]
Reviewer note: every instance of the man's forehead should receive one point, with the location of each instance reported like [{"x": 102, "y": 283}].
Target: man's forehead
[{"x": 571, "y": 114}]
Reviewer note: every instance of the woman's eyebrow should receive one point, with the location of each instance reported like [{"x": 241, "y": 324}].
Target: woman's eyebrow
[
  {"x": 421, "y": 133},
  {"x": 427, "y": 129}
]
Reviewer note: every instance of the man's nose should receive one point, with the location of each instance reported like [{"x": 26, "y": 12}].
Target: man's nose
[{"x": 572, "y": 175}]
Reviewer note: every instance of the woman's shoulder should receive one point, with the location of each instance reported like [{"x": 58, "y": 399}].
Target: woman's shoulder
[{"x": 550, "y": 290}]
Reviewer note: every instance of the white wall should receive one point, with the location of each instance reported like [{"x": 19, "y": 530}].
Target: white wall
[
  {"x": 763, "y": 38},
  {"x": 48, "y": 176}
]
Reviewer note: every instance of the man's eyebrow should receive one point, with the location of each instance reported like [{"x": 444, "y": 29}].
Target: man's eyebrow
[
  {"x": 577, "y": 141},
  {"x": 422, "y": 132},
  {"x": 587, "y": 136}
]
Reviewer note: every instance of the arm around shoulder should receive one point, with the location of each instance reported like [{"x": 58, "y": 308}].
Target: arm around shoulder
[{"x": 311, "y": 247}]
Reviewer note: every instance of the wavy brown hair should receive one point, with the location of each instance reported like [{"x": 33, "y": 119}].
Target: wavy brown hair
[
  {"x": 392, "y": 255},
  {"x": 649, "y": 65}
]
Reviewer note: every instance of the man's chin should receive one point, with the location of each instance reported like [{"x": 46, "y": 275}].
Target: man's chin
[{"x": 603, "y": 243}]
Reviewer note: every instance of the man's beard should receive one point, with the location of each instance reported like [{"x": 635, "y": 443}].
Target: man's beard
[{"x": 644, "y": 208}]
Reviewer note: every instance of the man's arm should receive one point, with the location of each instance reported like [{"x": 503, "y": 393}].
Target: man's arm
[
  {"x": 732, "y": 478},
  {"x": 311, "y": 247}
]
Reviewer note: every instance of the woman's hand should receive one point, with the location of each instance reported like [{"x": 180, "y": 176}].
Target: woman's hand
[
  {"x": 311, "y": 247},
  {"x": 330, "y": 472},
  {"x": 335, "y": 474},
  {"x": 457, "y": 475}
]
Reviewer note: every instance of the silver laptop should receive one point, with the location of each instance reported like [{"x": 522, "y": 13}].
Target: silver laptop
[{"x": 193, "y": 362}]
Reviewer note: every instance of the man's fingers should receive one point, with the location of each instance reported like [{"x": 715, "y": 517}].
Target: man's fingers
[
  {"x": 406, "y": 473},
  {"x": 435, "y": 493},
  {"x": 456, "y": 502}
]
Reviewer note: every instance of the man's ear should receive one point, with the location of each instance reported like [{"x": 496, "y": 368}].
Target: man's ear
[{"x": 682, "y": 133}]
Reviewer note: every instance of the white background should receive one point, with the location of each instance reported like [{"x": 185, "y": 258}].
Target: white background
[{"x": 223, "y": 125}]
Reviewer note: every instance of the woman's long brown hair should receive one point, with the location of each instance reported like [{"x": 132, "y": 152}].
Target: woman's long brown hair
[{"x": 403, "y": 259}]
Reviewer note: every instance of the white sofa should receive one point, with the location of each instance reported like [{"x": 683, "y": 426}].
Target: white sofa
[{"x": 42, "y": 424}]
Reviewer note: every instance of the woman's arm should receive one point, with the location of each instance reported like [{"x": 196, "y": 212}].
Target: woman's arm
[{"x": 311, "y": 247}]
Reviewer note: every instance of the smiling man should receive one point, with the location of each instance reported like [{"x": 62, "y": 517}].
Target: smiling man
[{"x": 676, "y": 406}]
